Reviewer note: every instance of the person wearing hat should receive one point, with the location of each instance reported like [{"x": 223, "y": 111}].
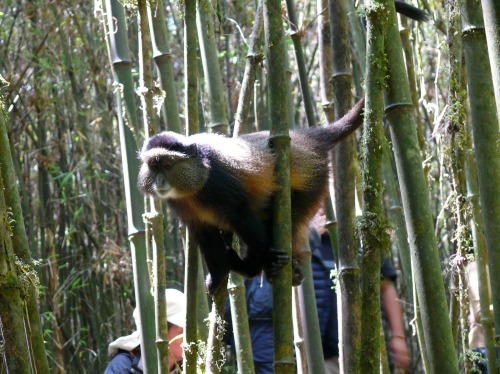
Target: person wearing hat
[{"x": 126, "y": 350}]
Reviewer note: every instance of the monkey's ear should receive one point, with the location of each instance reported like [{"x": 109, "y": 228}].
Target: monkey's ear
[{"x": 192, "y": 150}]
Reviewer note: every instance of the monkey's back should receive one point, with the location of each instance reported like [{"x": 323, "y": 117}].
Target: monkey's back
[
  {"x": 307, "y": 164},
  {"x": 250, "y": 162}
]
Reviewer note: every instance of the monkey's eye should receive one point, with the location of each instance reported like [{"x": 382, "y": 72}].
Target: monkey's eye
[
  {"x": 154, "y": 163},
  {"x": 166, "y": 163},
  {"x": 158, "y": 163}
]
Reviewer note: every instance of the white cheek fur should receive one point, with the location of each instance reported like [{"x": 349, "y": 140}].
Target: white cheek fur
[{"x": 168, "y": 193}]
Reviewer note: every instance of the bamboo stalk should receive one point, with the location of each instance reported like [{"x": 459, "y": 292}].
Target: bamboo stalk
[
  {"x": 163, "y": 59},
  {"x": 241, "y": 331},
  {"x": 456, "y": 141},
  {"x": 412, "y": 80},
  {"x": 159, "y": 285},
  {"x": 372, "y": 226},
  {"x": 211, "y": 67},
  {"x": 192, "y": 124},
  {"x": 395, "y": 212},
  {"x": 122, "y": 69},
  {"x": 190, "y": 351},
  {"x": 296, "y": 35},
  {"x": 248, "y": 83},
  {"x": 21, "y": 250},
  {"x": 486, "y": 140},
  {"x": 400, "y": 116},
  {"x": 348, "y": 275},
  {"x": 491, "y": 12},
  {"x": 481, "y": 258},
  {"x": 280, "y": 143},
  {"x": 358, "y": 34},
  {"x": 12, "y": 331},
  {"x": 236, "y": 286},
  {"x": 298, "y": 334},
  {"x": 309, "y": 317},
  {"x": 154, "y": 217},
  {"x": 214, "y": 360}
]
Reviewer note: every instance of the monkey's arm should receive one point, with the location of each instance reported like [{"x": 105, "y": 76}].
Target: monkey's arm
[
  {"x": 220, "y": 257},
  {"x": 214, "y": 251},
  {"x": 259, "y": 255}
]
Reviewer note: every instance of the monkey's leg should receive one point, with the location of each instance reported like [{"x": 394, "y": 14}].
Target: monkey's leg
[
  {"x": 213, "y": 249},
  {"x": 256, "y": 235}
]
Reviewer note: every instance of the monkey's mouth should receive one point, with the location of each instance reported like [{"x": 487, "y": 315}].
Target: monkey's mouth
[{"x": 162, "y": 193}]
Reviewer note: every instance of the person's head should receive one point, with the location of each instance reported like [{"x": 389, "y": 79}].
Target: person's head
[
  {"x": 176, "y": 318},
  {"x": 176, "y": 314}
]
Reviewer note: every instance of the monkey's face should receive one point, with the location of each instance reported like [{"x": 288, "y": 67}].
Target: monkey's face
[{"x": 168, "y": 174}]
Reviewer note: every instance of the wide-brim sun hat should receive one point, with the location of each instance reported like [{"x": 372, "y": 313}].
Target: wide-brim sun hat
[{"x": 176, "y": 315}]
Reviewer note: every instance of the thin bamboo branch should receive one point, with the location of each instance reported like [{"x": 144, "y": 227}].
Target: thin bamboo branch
[
  {"x": 296, "y": 35},
  {"x": 211, "y": 67},
  {"x": 163, "y": 60}
]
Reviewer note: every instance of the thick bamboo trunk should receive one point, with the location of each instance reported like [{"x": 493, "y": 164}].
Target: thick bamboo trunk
[
  {"x": 192, "y": 127},
  {"x": 21, "y": 249},
  {"x": 491, "y": 12},
  {"x": 12, "y": 329},
  {"x": 486, "y": 140},
  {"x": 374, "y": 237},
  {"x": 427, "y": 275},
  {"x": 344, "y": 180},
  {"x": 280, "y": 142}
]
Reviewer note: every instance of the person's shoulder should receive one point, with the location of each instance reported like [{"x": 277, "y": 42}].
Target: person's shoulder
[
  {"x": 388, "y": 271},
  {"x": 121, "y": 363}
]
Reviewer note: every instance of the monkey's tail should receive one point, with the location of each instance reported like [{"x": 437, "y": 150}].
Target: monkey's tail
[
  {"x": 411, "y": 12},
  {"x": 326, "y": 137}
]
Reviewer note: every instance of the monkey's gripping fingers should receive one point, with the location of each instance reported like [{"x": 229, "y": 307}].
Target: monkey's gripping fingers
[
  {"x": 280, "y": 259},
  {"x": 297, "y": 273},
  {"x": 275, "y": 260}
]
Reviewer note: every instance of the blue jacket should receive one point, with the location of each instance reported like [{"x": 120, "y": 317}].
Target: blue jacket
[
  {"x": 322, "y": 263},
  {"x": 259, "y": 298}
]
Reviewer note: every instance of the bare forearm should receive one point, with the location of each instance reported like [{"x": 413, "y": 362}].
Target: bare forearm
[{"x": 392, "y": 308}]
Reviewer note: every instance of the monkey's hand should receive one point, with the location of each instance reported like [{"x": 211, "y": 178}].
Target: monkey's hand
[
  {"x": 277, "y": 259},
  {"x": 274, "y": 262},
  {"x": 297, "y": 273}
]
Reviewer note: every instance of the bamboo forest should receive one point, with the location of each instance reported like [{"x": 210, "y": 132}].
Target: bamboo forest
[{"x": 250, "y": 186}]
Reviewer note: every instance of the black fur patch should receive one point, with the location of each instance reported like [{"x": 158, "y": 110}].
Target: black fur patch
[
  {"x": 166, "y": 140},
  {"x": 223, "y": 191}
]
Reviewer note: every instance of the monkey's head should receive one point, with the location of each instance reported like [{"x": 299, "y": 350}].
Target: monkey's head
[{"x": 171, "y": 167}]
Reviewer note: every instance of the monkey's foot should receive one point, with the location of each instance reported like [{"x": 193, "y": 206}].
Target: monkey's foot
[
  {"x": 297, "y": 273},
  {"x": 213, "y": 284}
]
